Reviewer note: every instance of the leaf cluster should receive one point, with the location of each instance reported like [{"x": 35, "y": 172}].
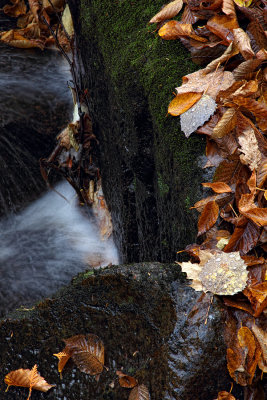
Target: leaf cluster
[
  {"x": 33, "y": 22},
  {"x": 226, "y": 101}
]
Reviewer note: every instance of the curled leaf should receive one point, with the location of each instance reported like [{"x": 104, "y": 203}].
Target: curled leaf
[
  {"x": 167, "y": 12},
  {"x": 126, "y": 380},
  {"x": 208, "y": 217}
]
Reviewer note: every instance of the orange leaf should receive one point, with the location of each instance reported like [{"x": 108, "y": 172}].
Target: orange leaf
[
  {"x": 262, "y": 173},
  {"x": 63, "y": 357},
  {"x": 87, "y": 351},
  {"x": 15, "y": 39},
  {"x": 257, "y": 215},
  {"x": 208, "y": 217},
  {"x": 140, "y": 392},
  {"x": 167, "y": 12},
  {"x": 182, "y": 102},
  {"x": 27, "y": 378},
  {"x": 126, "y": 380},
  {"x": 223, "y": 26},
  {"x": 258, "y": 109},
  {"x": 226, "y": 124},
  {"x": 225, "y": 396},
  {"x": 218, "y": 187},
  {"x": 174, "y": 29}
]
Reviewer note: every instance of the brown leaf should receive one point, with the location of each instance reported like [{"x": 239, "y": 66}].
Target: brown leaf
[
  {"x": 225, "y": 396},
  {"x": 229, "y": 171},
  {"x": 242, "y": 42},
  {"x": 249, "y": 147},
  {"x": 182, "y": 102},
  {"x": 167, "y": 12},
  {"x": 261, "y": 336},
  {"x": 226, "y": 124},
  {"x": 258, "y": 109},
  {"x": 257, "y": 295},
  {"x": 139, "y": 392},
  {"x": 257, "y": 31},
  {"x": 174, "y": 29},
  {"x": 258, "y": 215},
  {"x": 208, "y": 217},
  {"x": 244, "y": 238},
  {"x": 188, "y": 16},
  {"x": 223, "y": 26},
  {"x": 218, "y": 187},
  {"x": 229, "y": 52},
  {"x": 228, "y": 8},
  {"x": 27, "y": 378},
  {"x": 252, "y": 352},
  {"x": 35, "y": 7},
  {"x": 210, "y": 83},
  {"x": 241, "y": 305},
  {"x": 245, "y": 68},
  {"x": 15, "y": 39},
  {"x": 262, "y": 173},
  {"x": 126, "y": 380},
  {"x": 87, "y": 351},
  {"x": 17, "y": 8}
]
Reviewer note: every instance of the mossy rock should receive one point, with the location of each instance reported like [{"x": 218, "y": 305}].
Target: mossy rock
[
  {"x": 151, "y": 325},
  {"x": 149, "y": 169}
]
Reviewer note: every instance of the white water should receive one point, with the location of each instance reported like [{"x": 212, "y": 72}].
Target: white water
[{"x": 45, "y": 245}]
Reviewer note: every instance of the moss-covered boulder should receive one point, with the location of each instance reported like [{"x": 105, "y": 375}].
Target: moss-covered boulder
[
  {"x": 150, "y": 171},
  {"x": 151, "y": 325}
]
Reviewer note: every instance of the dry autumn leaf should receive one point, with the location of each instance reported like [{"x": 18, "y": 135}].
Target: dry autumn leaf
[
  {"x": 218, "y": 187},
  {"x": 242, "y": 42},
  {"x": 63, "y": 358},
  {"x": 208, "y": 217},
  {"x": 167, "y": 12},
  {"x": 29, "y": 378},
  {"x": 17, "y": 8},
  {"x": 175, "y": 29},
  {"x": 251, "y": 155},
  {"x": 261, "y": 336},
  {"x": 226, "y": 124},
  {"x": 139, "y": 392},
  {"x": 225, "y": 396}
]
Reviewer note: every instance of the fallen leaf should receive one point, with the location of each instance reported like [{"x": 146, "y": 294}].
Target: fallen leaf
[
  {"x": 218, "y": 187},
  {"x": 63, "y": 357},
  {"x": 262, "y": 173},
  {"x": 223, "y": 26},
  {"x": 208, "y": 217},
  {"x": 197, "y": 114},
  {"x": 188, "y": 16},
  {"x": 228, "y": 8},
  {"x": 87, "y": 351},
  {"x": 17, "y": 8},
  {"x": 226, "y": 124},
  {"x": 251, "y": 155},
  {"x": 261, "y": 336},
  {"x": 139, "y": 392},
  {"x": 245, "y": 68},
  {"x": 167, "y": 12},
  {"x": 126, "y": 380},
  {"x": 242, "y": 42},
  {"x": 257, "y": 295},
  {"x": 29, "y": 378},
  {"x": 229, "y": 52},
  {"x": 15, "y": 39},
  {"x": 174, "y": 29},
  {"x": 219, "y": 273},
  {"x": 225, "y": 396},
  {"x": 244, "y": 238},
  {"x": 182, "y": 102},
  {"x": 243, "y": 3},
  {"x": 210, "y": 83}
]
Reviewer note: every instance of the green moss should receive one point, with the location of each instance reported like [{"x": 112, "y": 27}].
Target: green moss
[{"x": 134, "y": 53}]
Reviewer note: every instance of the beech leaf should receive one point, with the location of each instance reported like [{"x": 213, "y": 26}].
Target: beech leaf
[
  {"x": 126, "y": 380},
  {"x": 208, "y": 217},
  {"x": 29, "y": 378},
  {"x": 228, "y": 8},
  {"x": 17, "y": 8},
  {"x": 249, "y": 147},
  {"x": 167, "y": 12},
  {"x": 87, "y": 351},
  {"x": 226, "y": 124},
  {"x": 139, "y": 392},
  {"x": 218, "y": 187},
  {"x": 242, "y": 42},
  {"x": 261, "y": 336},
  {"x": 174, "y": 29}
]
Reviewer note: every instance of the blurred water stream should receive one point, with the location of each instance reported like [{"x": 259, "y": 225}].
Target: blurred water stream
[{"x": 44, "y": 242}]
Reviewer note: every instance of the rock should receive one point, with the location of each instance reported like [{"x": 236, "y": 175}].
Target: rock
[
  {"x": 151, "y": 325},
  {"x": 149, "y": 170}
]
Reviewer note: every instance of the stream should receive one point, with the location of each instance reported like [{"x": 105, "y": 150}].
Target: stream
[{"x": 44, "y": 240}]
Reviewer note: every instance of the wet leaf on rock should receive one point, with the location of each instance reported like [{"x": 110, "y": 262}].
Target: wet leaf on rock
[
  {"x": 139, "y": 392},
  {"x": 29, "y": 378},
  {"x": 126, "y": 380}
]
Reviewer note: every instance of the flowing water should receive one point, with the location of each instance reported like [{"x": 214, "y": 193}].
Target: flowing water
[{"x": 43, "y": 245}]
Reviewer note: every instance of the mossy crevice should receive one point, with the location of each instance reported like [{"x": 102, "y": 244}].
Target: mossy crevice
[{"x": 131, "y": 74}]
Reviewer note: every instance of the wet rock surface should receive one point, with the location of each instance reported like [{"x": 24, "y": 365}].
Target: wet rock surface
[{"x": 151, "y": 325}]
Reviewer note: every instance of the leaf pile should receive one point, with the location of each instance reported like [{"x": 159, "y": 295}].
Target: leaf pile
[
  {"x": 226, "y": 101},
  {"x": 33, "y": 23}
]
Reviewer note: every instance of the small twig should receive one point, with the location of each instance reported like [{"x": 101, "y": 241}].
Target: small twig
[
  {"x": 233, "y": 210},
  {"x": 60, "y": 20}
]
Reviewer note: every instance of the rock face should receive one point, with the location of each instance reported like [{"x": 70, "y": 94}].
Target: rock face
[
  {"x": 151, "y": 325},
  {"x": 150, "y": 170}
]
